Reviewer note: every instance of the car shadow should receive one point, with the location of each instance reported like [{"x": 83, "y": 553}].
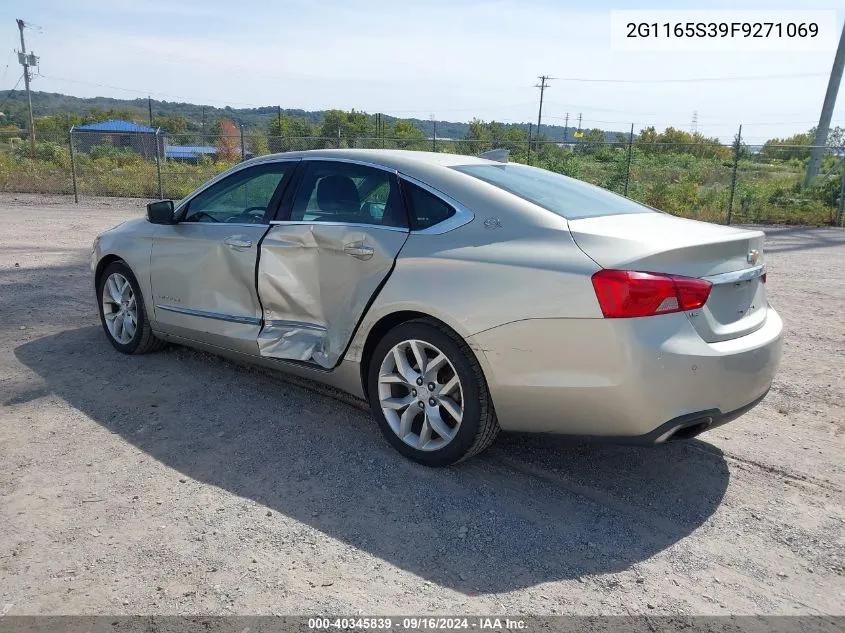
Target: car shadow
[
  {"x": 783, "y": 239},
  {"x": 532, "y": 509}
]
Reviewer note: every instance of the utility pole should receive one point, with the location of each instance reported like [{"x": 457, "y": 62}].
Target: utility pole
[
  {"x": 566, "y": 128},
  {"x": 203, "y": 124},
  {"x": 579, "y": 121},
  {"x": 26, "y": 62},
  {"x": 279, "y": 118},
  {"x": 542, "y": 86},
  {"x": 150, "y": 108},
  {"x": 827, "y": 110}
]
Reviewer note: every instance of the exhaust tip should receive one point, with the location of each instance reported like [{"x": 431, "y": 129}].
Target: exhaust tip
[{"x": 691, "y": 430}]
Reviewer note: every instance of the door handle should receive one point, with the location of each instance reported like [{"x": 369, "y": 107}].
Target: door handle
[
  {"x": 237, "y": 243},
  {"x": 359, "y": 250}
]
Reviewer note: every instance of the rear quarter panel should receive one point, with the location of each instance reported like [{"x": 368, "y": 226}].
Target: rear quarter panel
[{"x": 475, "y": 278}]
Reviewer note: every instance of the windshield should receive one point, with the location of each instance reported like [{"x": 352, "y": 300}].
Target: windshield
[{"x": 567, "y": 197}]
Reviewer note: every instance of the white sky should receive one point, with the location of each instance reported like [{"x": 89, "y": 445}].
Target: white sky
[{"x": 454, "y": 59}]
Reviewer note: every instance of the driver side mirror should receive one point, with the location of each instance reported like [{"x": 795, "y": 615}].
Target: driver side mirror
[{"x": 160, "y": 212}]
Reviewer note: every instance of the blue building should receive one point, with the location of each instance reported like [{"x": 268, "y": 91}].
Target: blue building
[
  {"x": 145, "y": 140},
  {"x": 189, "y": 153}
]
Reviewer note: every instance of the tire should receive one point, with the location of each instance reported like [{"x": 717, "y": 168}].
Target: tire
[
  {"x": 392, "y": 382},
  {"x": 142, "y": 339}
]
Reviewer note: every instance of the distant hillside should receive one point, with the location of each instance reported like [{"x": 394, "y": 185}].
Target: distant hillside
[{"x": 13, "y": 105}]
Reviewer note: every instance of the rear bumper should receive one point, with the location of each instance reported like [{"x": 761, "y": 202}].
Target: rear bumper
[{"x": 637, "y": 380}]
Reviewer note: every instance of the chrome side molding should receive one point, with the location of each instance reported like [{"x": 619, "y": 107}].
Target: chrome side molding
[{"x": 211, "y": 315}]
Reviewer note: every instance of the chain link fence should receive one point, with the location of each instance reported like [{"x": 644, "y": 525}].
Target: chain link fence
[{"x": 712, "y": 182}]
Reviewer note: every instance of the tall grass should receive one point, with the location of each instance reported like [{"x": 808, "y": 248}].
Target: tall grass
[{"x": 680, "y": 184}]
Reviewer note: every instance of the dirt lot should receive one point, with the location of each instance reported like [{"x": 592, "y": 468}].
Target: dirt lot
[{"x": 179, "y": 483}]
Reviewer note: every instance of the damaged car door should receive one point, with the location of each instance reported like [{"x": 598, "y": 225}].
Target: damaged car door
[
  {"x": 321, "y": 265},
  {"x": 202, "y": 268}
]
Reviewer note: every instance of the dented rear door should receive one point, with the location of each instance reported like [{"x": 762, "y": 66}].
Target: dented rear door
[
  {"x": 315, "y": 282},
  {"x": 319, "y": 269}
]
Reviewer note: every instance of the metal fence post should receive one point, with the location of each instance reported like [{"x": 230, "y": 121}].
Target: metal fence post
[
  {"x": 72, "y": 164},
  {"x": 528, "y": 156},
  {"x": 737, "y": 143},
  {"x": 630, "y": 148},
  {"x": 841, "y": 197},
  {"x": 158, "y": 164},
  {"x": 433, "y": 135}
]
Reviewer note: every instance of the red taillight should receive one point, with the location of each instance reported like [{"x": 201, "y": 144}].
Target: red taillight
[
  {"x": 628, "y": 293},
  {"x": 763, "y": 278}
]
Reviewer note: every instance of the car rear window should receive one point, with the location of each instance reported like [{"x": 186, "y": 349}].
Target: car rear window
[{"x": 567, "y": 197}]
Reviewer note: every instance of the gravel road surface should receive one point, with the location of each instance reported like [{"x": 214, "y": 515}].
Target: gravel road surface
[{"x": 181, "y": 483}]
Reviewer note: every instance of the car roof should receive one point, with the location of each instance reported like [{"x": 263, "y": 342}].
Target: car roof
[{"x": 398, "y": 159}]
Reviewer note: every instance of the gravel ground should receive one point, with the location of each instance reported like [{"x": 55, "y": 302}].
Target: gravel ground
[{"x": 180, "y": 483}]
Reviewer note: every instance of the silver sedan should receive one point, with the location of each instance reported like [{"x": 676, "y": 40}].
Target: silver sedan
[{"x": 458, "y": 295}]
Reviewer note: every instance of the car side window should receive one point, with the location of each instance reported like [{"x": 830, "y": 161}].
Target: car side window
[
  {"x": 241, "y": 198},
  {"x": 425, "y": 208},
  {"x": 348, "y": 193}
]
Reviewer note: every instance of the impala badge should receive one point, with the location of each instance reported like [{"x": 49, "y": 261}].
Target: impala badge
[{"x": 753, "y": 256}]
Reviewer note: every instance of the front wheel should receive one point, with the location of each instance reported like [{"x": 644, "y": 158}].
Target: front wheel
[
  {"x": 122, "y": 312},
  {"x": 429, "y": 396}
]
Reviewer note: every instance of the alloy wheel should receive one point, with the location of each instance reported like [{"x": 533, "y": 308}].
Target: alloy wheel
[
  {"x": 420, "y": 395},
  {"x": 120, "y": 308}
]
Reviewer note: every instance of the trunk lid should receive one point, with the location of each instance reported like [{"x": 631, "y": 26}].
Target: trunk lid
[{"x": 729, "y": 257}]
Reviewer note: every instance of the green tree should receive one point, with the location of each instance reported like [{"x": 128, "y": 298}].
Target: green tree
[
  {"x": 256, "y": 142},
  {"x": 478, "y": 138},
  {"x": 795, "y": 146},
  {"x": 171, "y": 124},
  {"x": 344, "y": 129},
  {"x": 56, "y": 126},
  {"x": 675, "y": 141},
  {"x": 592, "y": 142},
  {"x": 291, "y": 133},
  {"x": 96, "y": 115},
  {"x": 406, "y": 134}
]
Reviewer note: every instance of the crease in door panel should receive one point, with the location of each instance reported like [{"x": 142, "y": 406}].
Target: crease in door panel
[{"x": 285, "y": 265}]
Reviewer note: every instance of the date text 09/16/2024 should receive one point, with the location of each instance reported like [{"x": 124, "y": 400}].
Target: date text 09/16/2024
[{"x": 418, "y": 623}]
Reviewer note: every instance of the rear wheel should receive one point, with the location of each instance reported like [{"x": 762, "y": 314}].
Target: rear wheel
[
  {"x": 122, "y": 311},
  {"x": 429, "y": 396}
]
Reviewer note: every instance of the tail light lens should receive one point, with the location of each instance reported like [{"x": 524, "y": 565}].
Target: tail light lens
[{"x": 627, "y": 293}]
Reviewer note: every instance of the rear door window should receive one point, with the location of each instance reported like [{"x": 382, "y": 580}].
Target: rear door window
[{"x": 347, "y": 193}]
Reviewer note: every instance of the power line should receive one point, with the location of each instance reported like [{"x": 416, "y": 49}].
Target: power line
[
  {"x": 513, "y": 105},
  {"x": 11, "y": 92},
  {"x": 144, "y": 91},
  {"x": 148, "y": 92},
  {"x": 6, "y": 68},
  {"x": 692, "y": 79}
]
